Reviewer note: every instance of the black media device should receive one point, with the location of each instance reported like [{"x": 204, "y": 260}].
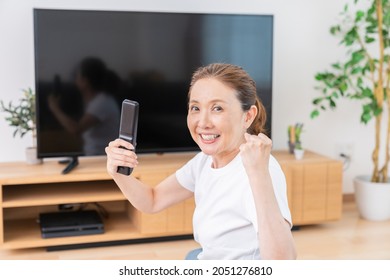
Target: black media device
[
  {"x": 128, "y": 128},
  {"x": 73, "y": 223}
]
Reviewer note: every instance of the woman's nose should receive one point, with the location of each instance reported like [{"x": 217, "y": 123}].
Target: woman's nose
[{"x": 204, "y": 120}]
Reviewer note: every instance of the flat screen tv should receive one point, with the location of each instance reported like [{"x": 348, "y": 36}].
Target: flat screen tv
[{"x": 148, "y": 57}]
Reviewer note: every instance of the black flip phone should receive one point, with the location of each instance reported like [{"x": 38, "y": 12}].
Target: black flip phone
[{"x": 128, "y": 128}]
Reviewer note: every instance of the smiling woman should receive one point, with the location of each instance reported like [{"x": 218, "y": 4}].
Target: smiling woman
[{"x": 239, "y": 188}]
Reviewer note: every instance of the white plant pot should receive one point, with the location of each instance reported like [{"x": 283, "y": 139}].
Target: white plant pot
[
  {"x": 372, "y": 199},
  {"x": 298, "y": 153},
  {"x": 31, "y": 156}
]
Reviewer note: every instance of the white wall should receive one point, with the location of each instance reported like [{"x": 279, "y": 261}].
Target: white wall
[{"x": 302, "y": 47}]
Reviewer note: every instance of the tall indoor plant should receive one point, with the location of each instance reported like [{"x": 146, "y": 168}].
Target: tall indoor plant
[
  {"x": 22, "y": 117},
  {"x": 365, "y": 76}
]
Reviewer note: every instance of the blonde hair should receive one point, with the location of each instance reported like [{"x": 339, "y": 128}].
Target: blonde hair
[{"x": 238, "y": 79}]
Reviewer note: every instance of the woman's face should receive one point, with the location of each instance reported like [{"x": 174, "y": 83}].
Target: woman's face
[{"x": 216, "y": 120}]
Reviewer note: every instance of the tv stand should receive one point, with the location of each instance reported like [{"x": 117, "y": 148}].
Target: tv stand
[
  {"x": 314, "y": 194},
  {"x": 29, "y": 190},
  {"x": 72, "y": 163}
]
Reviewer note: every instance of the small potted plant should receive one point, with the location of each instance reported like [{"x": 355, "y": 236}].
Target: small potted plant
[
  {"x": 294, "y": 140},
  {"x": 298, "y": 151},
  {"x": 22, "y": 117}
]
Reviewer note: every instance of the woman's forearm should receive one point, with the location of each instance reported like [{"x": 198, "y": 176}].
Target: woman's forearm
[
  {"x": 140, "y": 195},
  {"x": 274, "y": 232},
  {"x": 66, "y": 121}
]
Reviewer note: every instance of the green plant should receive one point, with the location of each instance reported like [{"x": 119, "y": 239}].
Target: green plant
[
  {"x": 365, "y": 74},
  {"x": 298, "y": 146},
  {"x": 22, "y": 115},
  {"x": 294, "y": 135}
]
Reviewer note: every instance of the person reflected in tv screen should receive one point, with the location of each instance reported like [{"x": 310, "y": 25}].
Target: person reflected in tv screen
[
  {"x": 100, "y": 120},
  {"x": 241, "y": 206}
]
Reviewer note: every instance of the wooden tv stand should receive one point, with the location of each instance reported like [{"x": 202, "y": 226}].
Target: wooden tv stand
[
  {"x": 28, "y": 190},
  {"x": 314, "y": 191}
]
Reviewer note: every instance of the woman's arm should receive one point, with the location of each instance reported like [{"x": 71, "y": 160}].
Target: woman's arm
[
  {"x": 145, "y": 198},
  {"x": 70, "y": 124},
  {"x": 274, "y": 233}
]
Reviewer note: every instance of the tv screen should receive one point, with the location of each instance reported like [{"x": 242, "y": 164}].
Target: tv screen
[{"x": 148, "y": 57}]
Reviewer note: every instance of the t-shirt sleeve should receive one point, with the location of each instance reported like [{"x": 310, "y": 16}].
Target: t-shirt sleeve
[
  {"x": 186, "y": 175},
  {"x": 280, "y": 190}
]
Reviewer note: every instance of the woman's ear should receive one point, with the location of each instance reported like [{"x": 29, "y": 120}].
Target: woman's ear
[{"x": 250, "y": 116}]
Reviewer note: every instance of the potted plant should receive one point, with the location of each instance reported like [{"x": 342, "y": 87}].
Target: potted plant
[
  {"x": 364, "y": 76},
  {"x": 294, "y": 140},
  {"x": 22, "y": 117}
]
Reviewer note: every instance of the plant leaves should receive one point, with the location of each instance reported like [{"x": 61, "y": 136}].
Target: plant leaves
[
  {"x": 314, "y": 114},
  {"x": 386, "y": 18},
  {"x": 369, "y": 40},
  {"x": 21, "y": 116},
  {"x": 332, "y": 104},
  {"x": 334, "y": 29},
  {"x": 336, "y": 66},
  {"x": 359, "y": 16},
  {"x": 316, "y": 101},
  {"x": 356, "y": 77}
]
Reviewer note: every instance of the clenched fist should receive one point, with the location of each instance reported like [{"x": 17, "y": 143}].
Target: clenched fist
[{"x": 255, "y": 152}]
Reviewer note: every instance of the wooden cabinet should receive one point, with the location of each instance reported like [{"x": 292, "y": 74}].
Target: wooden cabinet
[
  {"x": 314, "y": 193},
  {"x": 314, "y": 187},
  {"x": 27, "y": 190}
]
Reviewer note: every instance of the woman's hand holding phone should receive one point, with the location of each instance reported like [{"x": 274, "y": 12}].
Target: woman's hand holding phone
[{"x": 120, "y": 153}]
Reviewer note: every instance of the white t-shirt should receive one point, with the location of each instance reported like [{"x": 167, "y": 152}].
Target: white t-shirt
[
  {"x": 225, "y": 219},
  {"x": 96, "y": 138}
]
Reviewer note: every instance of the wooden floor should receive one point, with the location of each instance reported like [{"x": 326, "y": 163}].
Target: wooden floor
[{"x": 349, "y": 238}]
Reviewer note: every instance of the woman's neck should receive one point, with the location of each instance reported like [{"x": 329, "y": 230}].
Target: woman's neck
[{"x": 220, "y": 161}]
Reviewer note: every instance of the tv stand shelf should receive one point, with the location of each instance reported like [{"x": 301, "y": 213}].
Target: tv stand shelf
[
  {"x": 27, "y": 190},
  {"x": 42, "y": 194},
  {"x": 314, "y": 193}
]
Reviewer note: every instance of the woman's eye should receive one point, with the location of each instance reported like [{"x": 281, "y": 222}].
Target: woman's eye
[
  {"x": 217, "y": 108},
  {"x": 194, "y": 108}
]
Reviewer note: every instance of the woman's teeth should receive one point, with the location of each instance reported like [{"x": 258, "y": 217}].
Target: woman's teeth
[{"x": 209, "y": 137}]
